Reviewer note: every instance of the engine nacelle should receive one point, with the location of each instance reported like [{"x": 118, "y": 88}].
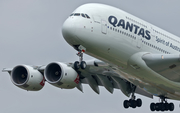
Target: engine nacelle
[
  {"x": 26, "y": 77},
  {"x": 61, "y": 75}
]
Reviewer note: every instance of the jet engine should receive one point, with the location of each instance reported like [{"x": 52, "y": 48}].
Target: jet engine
[
  {"x": 61, "y": 75},
  {"x": 27, "y": 78}
]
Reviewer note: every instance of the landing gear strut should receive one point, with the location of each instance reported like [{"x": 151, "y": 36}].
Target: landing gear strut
[
  {"x": 162, "y": 106},
  {"x": 132, "y": 102},
  {"x": 80, "y": 63}
]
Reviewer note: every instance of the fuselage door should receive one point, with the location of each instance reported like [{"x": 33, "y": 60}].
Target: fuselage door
[
  {"x": 103, "y": 27},
  {"x": 139, "y": 42}
]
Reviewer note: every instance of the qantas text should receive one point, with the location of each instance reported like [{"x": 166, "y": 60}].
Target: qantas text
[{"x": 129, "y": 26}]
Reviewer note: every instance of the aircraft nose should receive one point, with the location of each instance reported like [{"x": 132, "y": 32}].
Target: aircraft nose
[{"x": 68, "y": 31}]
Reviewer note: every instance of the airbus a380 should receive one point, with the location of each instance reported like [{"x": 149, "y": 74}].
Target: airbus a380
[{"x": 134, "y": 56}]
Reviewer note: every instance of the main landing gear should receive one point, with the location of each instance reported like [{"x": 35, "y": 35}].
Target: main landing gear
[
  {"x": 80, "y": 64},
  {"x": 162, "y": 106},
  {"x": 133, "y": 103}
]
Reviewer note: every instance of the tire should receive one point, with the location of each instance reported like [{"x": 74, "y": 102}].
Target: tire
[
  {"x": 133, "y": 104},
  {"x": 130, "y": 100},
  {"x": 126, "y": 104},
  {"x": 171, "y": 107},
  {"x": 166, "y": 105},
  {"x": 158, "y": 106},
  {"x": 83, "y": 65},
  {"x": 162, "y": 107},
  {"x": 76, "y": 65},
  {"x": 139, "y": 102},
  {"x": 152, "y": 107}
]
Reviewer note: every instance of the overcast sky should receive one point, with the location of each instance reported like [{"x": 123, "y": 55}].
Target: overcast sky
[{"x": 30, "y": 33}]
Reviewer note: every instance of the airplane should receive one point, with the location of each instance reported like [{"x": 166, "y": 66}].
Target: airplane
[{"x": 131, "y": 55}]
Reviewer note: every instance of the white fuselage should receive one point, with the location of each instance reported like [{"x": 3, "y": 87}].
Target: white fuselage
[{"x": 113, "y": 36}]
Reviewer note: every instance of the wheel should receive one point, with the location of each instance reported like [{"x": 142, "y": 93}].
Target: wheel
[
  {"x": 166, "y": 105},
  {"x": 139, "y": 102},
  {"x": 83, "y": 65},
  {"x": 157, "y": 107},
  {"x": 126, "y": 104},
  {"x": 171, "y": 106},
  {"x": 162, "y": 108},
  {"x": 152, "y": 107},
  {"x": 130, "y": 100},
  {"x": 133, "y": 104},
  {"x": 76, "y": 65}
]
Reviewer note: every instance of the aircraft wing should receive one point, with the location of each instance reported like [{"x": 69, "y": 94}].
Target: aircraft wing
[
  {"x": 167, "y": 65},
  {"x": 98, "y": 73},
  {"x": 156, "y": 73}
]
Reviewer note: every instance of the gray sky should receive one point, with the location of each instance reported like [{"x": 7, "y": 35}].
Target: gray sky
[{"x": 30, "y": 33}]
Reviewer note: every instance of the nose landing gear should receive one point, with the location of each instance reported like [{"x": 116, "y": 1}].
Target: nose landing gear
[{"x": 80, "y": 64}]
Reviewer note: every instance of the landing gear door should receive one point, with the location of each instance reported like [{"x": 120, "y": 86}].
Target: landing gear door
[{"x": 103, "y": 27}]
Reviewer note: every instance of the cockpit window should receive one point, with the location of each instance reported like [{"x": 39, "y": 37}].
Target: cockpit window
[
  {"x": 83, "y": 15},
  {"x": 71, "y": 14},
  {"x": 77, "y": 14},
  {"x": 87, "y": 16},
  {"x": 80, "y": 14}
]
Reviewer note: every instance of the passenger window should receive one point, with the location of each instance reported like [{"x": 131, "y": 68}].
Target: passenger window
[
  {"x": 87, "y": 16},
  {"x": 83, "y": 15}
]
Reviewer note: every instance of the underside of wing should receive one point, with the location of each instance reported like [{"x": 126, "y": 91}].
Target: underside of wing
[
  {"x": 63, "y": 75},
  {"x": 98, "y": 73}
]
